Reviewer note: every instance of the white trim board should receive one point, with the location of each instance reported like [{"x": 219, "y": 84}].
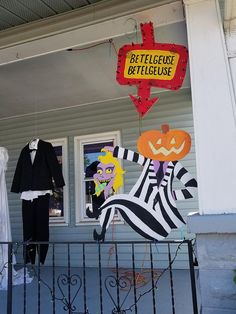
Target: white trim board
[{"x": 91, "y": 27}]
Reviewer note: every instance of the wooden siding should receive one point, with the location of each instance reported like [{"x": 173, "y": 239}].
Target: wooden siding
[{"x": 173, "y": 108}]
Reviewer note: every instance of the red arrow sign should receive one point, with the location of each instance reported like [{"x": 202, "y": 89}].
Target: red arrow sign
[
  {"x": 151, "y": 64},
  {"x": 142, "y": 102}
]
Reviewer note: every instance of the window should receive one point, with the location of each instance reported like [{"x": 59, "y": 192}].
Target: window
[
  {"x": 87, "y": 150},
  {"x": 58, "y": 207}
]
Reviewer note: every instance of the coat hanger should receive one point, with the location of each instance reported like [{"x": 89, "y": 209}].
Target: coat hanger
[
  {"x": 34, "y": 139},
  {"x": 33, "y": 144}
]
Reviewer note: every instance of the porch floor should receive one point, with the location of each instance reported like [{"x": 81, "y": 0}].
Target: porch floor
[{"x": 38, "y": 296}]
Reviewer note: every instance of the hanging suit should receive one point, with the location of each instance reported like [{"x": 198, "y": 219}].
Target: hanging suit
[
  {"x": 37, "y": 176},
  {"x": 150, "y": 207}
]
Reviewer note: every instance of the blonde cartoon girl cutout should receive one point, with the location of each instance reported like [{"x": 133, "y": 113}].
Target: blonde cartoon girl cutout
[{"x": 107, "y": 179}]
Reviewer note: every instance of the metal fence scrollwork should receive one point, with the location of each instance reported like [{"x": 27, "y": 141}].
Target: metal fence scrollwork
[
  {"x": 123, "y": 283},
  {"x": 66, "y": 282},
  {"x": 70, "y": 284}
]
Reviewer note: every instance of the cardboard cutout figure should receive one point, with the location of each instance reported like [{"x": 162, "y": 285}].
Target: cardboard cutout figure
[
  {"x": 150, "y": 207},
  {"x": 96, "y": 200},
  {"x": 108, "y": 178},
  {"x": 109, "y": 175}
]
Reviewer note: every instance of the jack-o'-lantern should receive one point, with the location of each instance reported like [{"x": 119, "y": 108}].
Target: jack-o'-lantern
[{"x": 168, "y": 145}]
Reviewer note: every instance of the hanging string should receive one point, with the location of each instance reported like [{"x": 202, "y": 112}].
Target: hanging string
[
  {"x": 109, "y": 42},
  {"x": 112, "y": 248},
  {"x": 135, "y": 31},
  {"x": 110, "y": 47},
  {"x": 140, "y": 120},
  {"x": 35, "y": 135},
  {"x": 113, "y": 45},
  {"x": 91, "y": 46}
]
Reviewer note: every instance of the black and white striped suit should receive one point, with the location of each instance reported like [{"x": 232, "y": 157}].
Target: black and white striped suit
[{"x": 150, "y": 209}]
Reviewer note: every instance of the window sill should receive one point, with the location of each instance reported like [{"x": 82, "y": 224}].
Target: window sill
[{"x": 89, "y": 222}]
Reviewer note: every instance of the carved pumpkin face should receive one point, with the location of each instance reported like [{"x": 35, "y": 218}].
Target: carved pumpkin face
[{"x": 169, "y": 146}]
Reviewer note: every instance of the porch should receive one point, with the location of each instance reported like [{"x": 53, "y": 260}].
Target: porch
[{"x": 151, "y": 284}]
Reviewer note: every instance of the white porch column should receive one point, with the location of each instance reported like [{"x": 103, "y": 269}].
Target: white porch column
[
  {"x": 230, "y": 35},
  {"x": 214, "y": 114},
  {"x": 214, "y": 108}
]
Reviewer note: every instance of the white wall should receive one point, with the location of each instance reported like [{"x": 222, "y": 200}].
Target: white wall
[{"x": 213, "y": 108}]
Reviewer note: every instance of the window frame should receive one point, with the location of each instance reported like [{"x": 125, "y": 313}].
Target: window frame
[
  {"x": 79, "y": 142},
  {"x": 62, "y": 221}
]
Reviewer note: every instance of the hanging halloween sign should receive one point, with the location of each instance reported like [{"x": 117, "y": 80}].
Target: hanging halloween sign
[
  {"x": 150, "y": 207},
  {"x": 151, "y": 64}
]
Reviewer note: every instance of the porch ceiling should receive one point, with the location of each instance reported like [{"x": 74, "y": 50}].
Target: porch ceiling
[
  {"x": 39, "y": 73},
  {"x": 70, "y": 78},
  {"x": 18, "y": 12}
]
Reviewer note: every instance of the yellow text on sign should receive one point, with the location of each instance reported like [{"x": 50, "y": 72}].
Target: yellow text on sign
[{"x": 151, "y": 64}]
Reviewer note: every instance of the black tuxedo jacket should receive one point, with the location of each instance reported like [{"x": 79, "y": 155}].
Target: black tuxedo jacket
[{"x": 37, "y": 176}]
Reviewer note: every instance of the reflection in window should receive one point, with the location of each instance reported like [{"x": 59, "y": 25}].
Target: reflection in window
[{"x": 56, "y": 208}]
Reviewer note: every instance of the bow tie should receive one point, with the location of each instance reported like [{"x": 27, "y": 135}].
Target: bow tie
[{"x": 32, "y": 150}]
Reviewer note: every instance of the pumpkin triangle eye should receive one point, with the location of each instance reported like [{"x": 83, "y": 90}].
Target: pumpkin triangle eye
[
  {"x": 159, "y": 141},
  {"x": 172, "y": 141}
]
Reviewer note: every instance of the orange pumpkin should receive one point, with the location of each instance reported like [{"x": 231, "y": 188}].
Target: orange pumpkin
[{"x": 168, "y": 145}]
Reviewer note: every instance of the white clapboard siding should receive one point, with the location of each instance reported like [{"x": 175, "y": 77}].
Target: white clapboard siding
[{"x": 173, "y": 107}]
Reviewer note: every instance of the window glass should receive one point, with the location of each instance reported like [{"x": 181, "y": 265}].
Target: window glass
[{"x": 58, "y": 206}]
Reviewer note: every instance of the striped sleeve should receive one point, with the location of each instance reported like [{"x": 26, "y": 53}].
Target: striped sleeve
[
  {"x": 127, "y": 154},
  {"x": 188, "y": 181}
]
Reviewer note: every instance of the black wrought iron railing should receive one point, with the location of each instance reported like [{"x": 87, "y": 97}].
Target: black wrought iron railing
[{"x": 100, "y": 278}]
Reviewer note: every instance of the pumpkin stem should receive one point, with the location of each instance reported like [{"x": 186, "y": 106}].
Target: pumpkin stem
[{"x": 165, "y": 128}]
